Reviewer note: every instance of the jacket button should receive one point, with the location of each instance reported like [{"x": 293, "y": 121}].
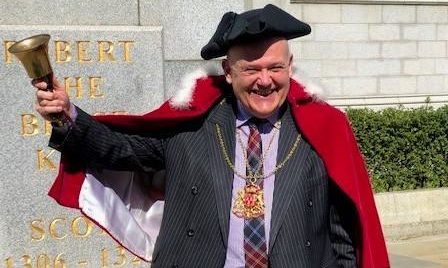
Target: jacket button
[
  {"x": 190, "y": 232},
  {"x": 174, "y": 266},
  {"x": 310, "y": 203},
  {"x": 194, "y": 190},
  {"x": 307, "y": 244}
]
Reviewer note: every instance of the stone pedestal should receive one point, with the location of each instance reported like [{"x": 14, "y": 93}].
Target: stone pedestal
[{"x": 105, "y": 69}]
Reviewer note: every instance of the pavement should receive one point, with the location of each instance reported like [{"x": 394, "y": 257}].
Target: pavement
[{"x": 422, "y": 252}]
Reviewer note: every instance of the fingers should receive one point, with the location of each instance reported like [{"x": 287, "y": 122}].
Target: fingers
[
  {"x": 48, "y": 103},
  {"x": 48, "y": 98},
  {"x": 47, "y": 111},
  {"x": 39, "y": 84},
  {"x": 57, "y": 93},
  {"x": 52, "y": 102},
  {"x": 45, "y": 95}
]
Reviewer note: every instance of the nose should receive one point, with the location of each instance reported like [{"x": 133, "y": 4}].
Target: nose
[{"x": 264, "y": 79}]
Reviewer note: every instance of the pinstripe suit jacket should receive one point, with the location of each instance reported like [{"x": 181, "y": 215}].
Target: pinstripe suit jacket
[{"x": 311, "y": 224}]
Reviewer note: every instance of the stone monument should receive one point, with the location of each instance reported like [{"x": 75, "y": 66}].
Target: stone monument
[
  {"x": 112, "y": 57},
  {"x": 105, "y": 70}
]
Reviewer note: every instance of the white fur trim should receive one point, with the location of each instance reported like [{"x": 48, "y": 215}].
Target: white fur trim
[
  {"x": 311, "y": 86},
  {"x": 183, "y": 97}
]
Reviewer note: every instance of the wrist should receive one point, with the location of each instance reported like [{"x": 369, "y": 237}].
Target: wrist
[{"x": 72, "y": 113}]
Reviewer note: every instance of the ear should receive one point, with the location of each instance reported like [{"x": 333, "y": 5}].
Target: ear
[
  {"x": 290, "y": 66},
  {"x": 226, "y": 68}
]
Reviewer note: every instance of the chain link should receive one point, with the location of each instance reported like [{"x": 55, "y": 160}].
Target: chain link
[{"x": 255, "y": 177}]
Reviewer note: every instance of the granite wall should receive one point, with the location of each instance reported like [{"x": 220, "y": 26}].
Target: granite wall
[{"x": 372, "y": 54}]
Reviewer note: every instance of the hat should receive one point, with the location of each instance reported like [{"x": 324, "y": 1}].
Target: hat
[{"x": 252, "y": 25}]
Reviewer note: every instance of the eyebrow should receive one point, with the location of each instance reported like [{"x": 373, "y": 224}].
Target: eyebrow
[{"x": 274, "y": 64}]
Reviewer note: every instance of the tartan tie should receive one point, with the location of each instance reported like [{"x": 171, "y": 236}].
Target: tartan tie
[{"x": 254, "y": 232}]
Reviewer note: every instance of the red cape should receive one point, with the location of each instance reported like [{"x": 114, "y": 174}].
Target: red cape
[{"x": 325, "y": 127}]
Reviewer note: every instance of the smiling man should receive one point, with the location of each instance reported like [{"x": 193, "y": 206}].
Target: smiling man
[
  {"x": 259, "y": 74},
  {"x": 258, "y": 171}
]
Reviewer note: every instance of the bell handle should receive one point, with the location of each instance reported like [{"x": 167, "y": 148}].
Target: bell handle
[{"x": 59, "y": 118}]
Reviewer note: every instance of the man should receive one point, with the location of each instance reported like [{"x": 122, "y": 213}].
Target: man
[{"x": 258, "y": 172}]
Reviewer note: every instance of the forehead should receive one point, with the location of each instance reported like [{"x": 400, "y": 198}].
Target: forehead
[{"x": 273, "y": 48}]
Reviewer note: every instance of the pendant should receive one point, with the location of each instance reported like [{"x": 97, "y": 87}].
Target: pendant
[{"x": 249, "y": 202}]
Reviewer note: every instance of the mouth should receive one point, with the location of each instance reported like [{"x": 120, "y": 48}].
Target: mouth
[{"x": 262, "y": 92}]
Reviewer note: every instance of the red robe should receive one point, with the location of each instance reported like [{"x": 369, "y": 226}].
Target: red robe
[{"x": 325, "y": 128}]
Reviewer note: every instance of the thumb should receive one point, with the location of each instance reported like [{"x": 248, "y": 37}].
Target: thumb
[{"x": 57, "y": 86}]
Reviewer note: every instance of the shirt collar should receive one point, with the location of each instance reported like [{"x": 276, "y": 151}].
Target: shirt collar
[{"x": 242, "y": 116}]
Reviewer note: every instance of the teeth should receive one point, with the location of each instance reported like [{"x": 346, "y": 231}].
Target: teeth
[{"x": 263, "y": 92}]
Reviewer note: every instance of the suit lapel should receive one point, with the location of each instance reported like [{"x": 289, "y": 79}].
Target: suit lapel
[
  {"x": 222, "y": 176},
  {"x": 287, "y": 178}
]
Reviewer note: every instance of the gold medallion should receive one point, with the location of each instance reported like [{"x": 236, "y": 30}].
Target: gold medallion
[{"x": 249, "y": 202}]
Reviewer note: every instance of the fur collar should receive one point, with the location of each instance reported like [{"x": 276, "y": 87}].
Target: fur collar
[{"x": 182, "y": 98}]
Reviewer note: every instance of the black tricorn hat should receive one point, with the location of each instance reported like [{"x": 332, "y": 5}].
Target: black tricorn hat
[{"x": 252, "y": 25}]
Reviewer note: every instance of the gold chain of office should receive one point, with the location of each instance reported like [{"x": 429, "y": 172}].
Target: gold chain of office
[
  {"x": 263, "y": 157},
  {"x": 254, "y": 177}
]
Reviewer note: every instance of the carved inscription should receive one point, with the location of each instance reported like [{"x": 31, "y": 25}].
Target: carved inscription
[
  {"x": 62, "y": 228},
  {"x": 91, "y": 87},
  {"x": 84, "y": 51},
  {"x": 77, "y": 87}
]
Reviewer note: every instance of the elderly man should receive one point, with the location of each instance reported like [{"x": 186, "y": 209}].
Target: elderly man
[{"x": 258, "y": 172}]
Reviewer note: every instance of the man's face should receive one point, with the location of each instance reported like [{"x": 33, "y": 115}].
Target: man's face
[{"x": 259, "y": 73}]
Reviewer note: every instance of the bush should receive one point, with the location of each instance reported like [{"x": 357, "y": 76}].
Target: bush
[{"x": 404, "y": 148}]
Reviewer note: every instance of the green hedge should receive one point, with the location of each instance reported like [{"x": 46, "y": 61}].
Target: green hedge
[{"x": 404, "y": 148}]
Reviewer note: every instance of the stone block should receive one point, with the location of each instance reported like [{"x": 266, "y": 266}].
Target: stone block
[
  {"x": 151, "y": 12},
  {"x": 332, "y": 86},
  {"x": 321, "y": 13},
  {"x": 187, "y": 25},
  {"x": 399, "y": 49},
  {"x": 384, "y": 32},
  {"x": 378, "y": 67},
  {"x": 312, "y": 68},
  {"x": 324, "y": 50},
  {"x": 432, "y": 49},
  {"x": 358, "y": 86},
  {"x": 398, "y": 85},
  {"x": 442, "y": 32},
  {"x": 363, "y": 50},
  {"x": 338, "y": 68},
  {"x": 419, "y": 32},
  {"x": 341, "y": 32},
  {"x": 128, "y": 78},
  {"x": 419, "y": 66},
  {"x": 67, "y": 12},
  {"x": 414, "y": 213},
  {"x": 398, "y": 14},
  {"x": 431, "y": 84},
  {"x": 432, "y": 14},
  {"x": 442, "y": 66},
  {"x": 407, "y": 231},
  {"x": 361, "y": 13},
  {"x": 382, "y": 101}
]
